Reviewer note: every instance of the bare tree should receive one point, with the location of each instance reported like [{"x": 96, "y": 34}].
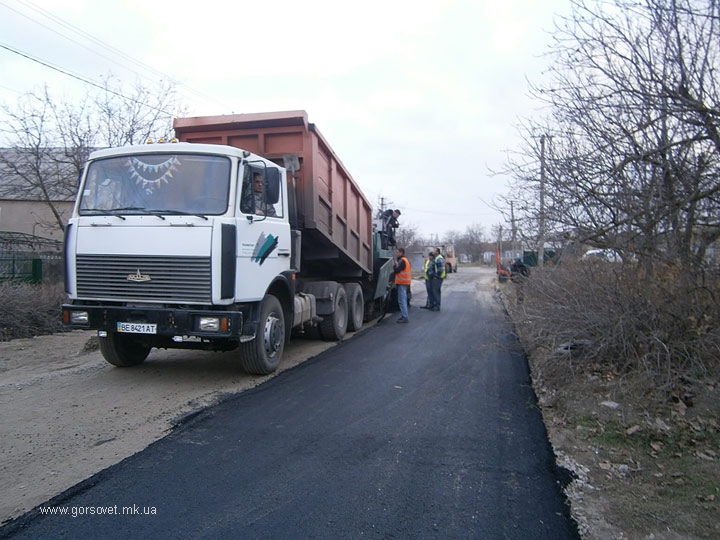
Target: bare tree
[
  {"x": 406, "y": 236},
  {"x": 49, "y": 139},
  {"x": 34, "y": 168},
  {"x": 634, "y": 115},
  {"x": 472, "y": 241},
  {"x": 144, "y": 114}
]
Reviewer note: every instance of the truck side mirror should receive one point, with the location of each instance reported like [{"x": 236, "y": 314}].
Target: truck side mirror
[{"x": 272, "y": 185}]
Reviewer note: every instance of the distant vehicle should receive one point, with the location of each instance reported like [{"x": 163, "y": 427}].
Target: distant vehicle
[
  {"x": 609, "y": 255},
  {"x": 448, "y": 252}
]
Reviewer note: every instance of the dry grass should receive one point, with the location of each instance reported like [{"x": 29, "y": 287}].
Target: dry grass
[
  {"x": 626, "y": 368},
  {"x": 29, "y": 310},
  {"x": 612, "y": 317}
]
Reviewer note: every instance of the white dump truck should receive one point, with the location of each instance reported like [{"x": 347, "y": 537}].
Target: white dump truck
[{"x": 246, "y": 231}]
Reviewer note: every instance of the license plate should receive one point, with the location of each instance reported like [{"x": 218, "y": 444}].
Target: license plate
[{"x": 136, "y": 328}]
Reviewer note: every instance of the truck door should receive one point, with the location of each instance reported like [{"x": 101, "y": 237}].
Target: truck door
[{"x": 263, "y": 230}]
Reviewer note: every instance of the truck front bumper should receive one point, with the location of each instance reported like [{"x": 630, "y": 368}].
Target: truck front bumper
[{"x": 168, "y": 322}]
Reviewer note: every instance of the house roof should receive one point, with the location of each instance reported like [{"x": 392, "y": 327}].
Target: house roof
[
  {"x": 26, "y": 175},
  {"x": 17, "y": 241}
]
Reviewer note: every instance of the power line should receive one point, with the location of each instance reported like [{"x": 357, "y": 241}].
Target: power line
[
  {"x": 80, "y": 32},
  {"x": 454, "y": 214},
  {"x": 79, "y": 78},
  {"x": 10, "y": 89},
  {"x": 115, "y": 50},
  {"x": 97, "y": 41}
]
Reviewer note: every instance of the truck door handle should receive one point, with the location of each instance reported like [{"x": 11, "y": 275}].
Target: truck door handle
[{"x": 283, "y": 253}]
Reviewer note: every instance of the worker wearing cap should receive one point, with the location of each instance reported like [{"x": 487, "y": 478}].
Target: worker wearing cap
[
  {"x": 390, "y": 223},
  {"x": 437, "y": 274}
]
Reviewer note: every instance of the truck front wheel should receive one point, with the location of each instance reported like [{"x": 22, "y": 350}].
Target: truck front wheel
[
  {"x": 262, "y": 355},
  {"x": 123, "y": 350}
]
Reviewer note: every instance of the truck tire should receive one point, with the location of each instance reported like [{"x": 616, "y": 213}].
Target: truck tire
[
  {"x": 262, "y": 355},
  {"x": 356, "y": 306},
  {"x": 123, "y": 350},
  {"x": 333, "y": 327}
]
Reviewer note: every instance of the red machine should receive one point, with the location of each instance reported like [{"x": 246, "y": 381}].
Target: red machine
[{"x": 503, "y": 273}]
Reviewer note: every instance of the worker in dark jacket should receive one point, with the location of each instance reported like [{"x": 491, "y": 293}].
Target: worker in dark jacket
[
  {"x": 436, "y": 272},
  {"x": 518, "y": 270},
  {"x": 390, "y": 223}
]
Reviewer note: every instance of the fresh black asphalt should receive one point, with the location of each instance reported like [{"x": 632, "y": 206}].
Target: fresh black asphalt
[{"x": 422, "y": 430}]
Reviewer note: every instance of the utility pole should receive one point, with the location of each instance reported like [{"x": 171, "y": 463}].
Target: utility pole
[
  {"x": 513, "y": 229},
  {"x": 541, "y": 217},
  {"x": 382, "y": 204},
  {"x": 499, "y": 244}
]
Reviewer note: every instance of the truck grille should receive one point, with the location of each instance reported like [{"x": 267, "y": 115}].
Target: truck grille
[{"x": 172, "y": 279}]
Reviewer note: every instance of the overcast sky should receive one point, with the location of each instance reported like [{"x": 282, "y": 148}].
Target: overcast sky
[{"x": 419, "y": 99}]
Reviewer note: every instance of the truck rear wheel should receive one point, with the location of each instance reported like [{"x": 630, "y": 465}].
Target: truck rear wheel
[
  {"x": 262, "y": 355},
  {"x": 356, "y": 306},
  {"x": 333, "y": 327},
  {"x": 123, "y": 350}
]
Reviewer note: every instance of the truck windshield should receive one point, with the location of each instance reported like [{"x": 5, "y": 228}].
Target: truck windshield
[{"x": 156, "y": 184}]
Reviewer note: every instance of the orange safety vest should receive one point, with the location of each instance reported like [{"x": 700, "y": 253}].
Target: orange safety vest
[{"x": 404, "y": 277}]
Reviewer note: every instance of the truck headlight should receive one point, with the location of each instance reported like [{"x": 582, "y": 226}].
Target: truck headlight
[
  {"x": 79, "y": 317},
  {"x": 209, "y": 324}
]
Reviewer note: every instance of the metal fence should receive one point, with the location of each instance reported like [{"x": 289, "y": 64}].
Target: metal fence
[
  {"x": 19, "y": 267},
  {"x": 28, "y": 259}
]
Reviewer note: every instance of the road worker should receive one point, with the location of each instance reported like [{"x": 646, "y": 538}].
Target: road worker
[
  {"x": 403, "y": 280},
  {"x": 436, "y": 272}
]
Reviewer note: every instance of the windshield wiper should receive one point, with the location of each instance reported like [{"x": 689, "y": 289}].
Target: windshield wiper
[
  {"x": 127, "y": 209},
  {"x": 115, "y": 212},
  {"x": 176, "y": 213},
  {"x": 109, "y": 211}
]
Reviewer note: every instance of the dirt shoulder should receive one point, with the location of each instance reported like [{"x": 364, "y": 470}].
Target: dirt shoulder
[{"x": 641, "y": 472}]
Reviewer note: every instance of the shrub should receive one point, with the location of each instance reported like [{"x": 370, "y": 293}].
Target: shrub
[
  {"x": 29, "y": 310},
  {"x": 617, "y": 317}
]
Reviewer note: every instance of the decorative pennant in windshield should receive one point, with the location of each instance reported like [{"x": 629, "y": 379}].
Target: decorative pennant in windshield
[{"x": 152, "y": 175}]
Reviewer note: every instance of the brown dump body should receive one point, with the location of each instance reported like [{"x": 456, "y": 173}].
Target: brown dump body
[{"x": 333, "y": 214}]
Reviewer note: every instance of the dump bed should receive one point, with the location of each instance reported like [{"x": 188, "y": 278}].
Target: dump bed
[{"x": 333, "y": 214}]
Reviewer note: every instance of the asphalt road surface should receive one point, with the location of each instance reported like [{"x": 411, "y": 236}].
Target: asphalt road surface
[{"x": 419, "y": 430}]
